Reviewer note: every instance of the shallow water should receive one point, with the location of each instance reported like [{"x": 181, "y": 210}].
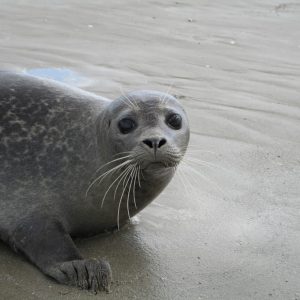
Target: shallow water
[{"x": 230, "y": 227}]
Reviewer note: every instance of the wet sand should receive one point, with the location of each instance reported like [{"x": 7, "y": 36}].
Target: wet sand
[{"x": 227, "y": 227}]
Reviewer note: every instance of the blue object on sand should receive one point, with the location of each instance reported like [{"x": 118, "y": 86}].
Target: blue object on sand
[{"x": 59, "y": 74}]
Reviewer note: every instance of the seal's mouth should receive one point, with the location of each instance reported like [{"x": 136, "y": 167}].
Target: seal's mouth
[{"x": 157, "y": 164}]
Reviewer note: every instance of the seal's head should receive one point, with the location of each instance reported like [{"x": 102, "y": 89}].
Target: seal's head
[{"x": 149, "y": 127}]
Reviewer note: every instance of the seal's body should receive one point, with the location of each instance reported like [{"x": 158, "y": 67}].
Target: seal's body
[{"x": 72, "y": 163}]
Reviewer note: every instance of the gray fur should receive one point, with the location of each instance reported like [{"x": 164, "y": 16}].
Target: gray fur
[{"x": 53, "y": 139}]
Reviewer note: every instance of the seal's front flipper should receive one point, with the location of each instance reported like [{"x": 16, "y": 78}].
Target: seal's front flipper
[
  {"x": 91, "y": 274},
  {"x": 46, "y": 243}
]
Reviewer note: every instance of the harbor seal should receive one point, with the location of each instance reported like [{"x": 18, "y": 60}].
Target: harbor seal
[{"x": 76, "y": 164}]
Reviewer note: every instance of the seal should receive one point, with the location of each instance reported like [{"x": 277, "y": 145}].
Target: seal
[{"x": 76, "y": 164}]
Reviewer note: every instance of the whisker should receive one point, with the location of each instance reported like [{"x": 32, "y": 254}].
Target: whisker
[
  {"x": 127, "y": 204},
  {"x": 181, "y": 176},
  {"x": 122, "y": 173},
  {"x": 139, "y": 178},
  {"x": 112, "y": 161},
  {"x": 204, "y": 177},
  {"x": 105, "y": 174},
  {"x": 134, "y": 105},
  {"x": 166, "y": 94},
  {"x": 188, "y": 182},
  {"x": 203, "y": 163},
  {"x": 189, "y": 150},
  {"x": 128, "y": 170},
  {"x": 133, "y": 193},
  {"x": 120, "y": 153},
  {"x": 119, "y": 206},
  {"x": 129, "y": 103}
]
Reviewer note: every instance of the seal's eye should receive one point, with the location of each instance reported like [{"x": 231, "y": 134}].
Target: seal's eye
[
  {"x": 126, "y": 125},
  {"x": 174, "y": 121}
]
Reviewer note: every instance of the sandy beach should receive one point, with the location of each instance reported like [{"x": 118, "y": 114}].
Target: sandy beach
[{"x": 228, "y": 225}]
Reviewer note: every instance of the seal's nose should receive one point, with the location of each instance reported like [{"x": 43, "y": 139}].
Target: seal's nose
[{"x": 155, "y": 143}]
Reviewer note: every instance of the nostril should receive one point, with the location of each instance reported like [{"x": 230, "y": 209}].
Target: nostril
[
  {"x": 155, "y": 143},
  {"x": 149, "y": 143},
  {"x": 161, "y": 142}
]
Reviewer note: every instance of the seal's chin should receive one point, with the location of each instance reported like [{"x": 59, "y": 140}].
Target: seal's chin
[{"x": 157, "y": 165}]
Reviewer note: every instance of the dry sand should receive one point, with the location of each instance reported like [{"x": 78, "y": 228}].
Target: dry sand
[{"x": 229, "y": 228}]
